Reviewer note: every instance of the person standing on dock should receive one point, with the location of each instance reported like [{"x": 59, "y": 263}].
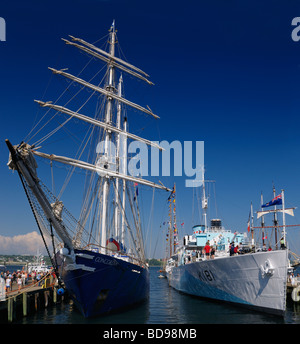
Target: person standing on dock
[
  {"x": 8, "y": 284},
  {"x": 23, "y": 278},
  {"x": 231, "y": 249},
  {"x": 19, "y": 281},
  {"x": 207, "y": 250},
  {"x": 212, "y": 252},
  {"x": 38, "y": 277}
]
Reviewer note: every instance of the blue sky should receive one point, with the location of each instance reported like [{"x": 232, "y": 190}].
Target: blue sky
[{"x": 225, "y": 72}]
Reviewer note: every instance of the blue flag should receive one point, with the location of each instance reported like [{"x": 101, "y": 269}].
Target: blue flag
[{"x": 275, "y": 201}]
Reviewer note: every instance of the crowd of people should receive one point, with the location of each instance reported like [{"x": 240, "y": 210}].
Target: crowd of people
[
  {"x": 21, "y": 278},
  {"x": 294, "y": 280},
  {"x": 234, "y": 249},
  {"x": 210, "y": 250}
]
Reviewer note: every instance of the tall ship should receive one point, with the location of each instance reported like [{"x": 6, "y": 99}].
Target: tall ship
[
  {"x": 218, "y": 264},
  {"x": 99, "y": 257}
]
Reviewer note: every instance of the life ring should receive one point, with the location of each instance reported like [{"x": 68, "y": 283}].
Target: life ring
[{"x": 296, "y": 294}]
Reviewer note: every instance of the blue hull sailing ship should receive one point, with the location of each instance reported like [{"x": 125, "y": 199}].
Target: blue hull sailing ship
[
  {"x": 256, "y": 278},
  {"x": 100, "y": 258}
]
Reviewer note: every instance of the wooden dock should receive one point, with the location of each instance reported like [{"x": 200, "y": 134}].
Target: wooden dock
[{"x": 29, "y": 299}]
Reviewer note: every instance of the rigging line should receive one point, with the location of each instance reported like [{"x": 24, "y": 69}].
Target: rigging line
[
  {"x": 150, "y": 218},
  {"x": 34, "y": 126},
  {"x": 95, "y": 211},
  {"x": 62, "y": 125},
  {"x": 140, "y": 248},
  {"x": 85, "y": 212},
  {"x": 198, "y": 203},
  {"x": 87, "y": 202},
  {"x": 71, "y": 171},
  {"x": 121, "y": 53},
  {"x": 74, "y": 96},
  {"x": 127, "y": 223},
  {"x": 215, "y": 196},
  {"x": 50, "y": 79},
  {"x": 68, "y": 216},
  {"x": 155, "y": 245},
  {"x": 46, "y": 137},
  {"x": 78, "y": 154},
  {"x": 71, "y": 83},
  {"x": 55, "y": 258},
  {"x": 89, "y": 180},
  {"x": 32, "y": 209},
  {"x": 100, "y": 39},
  {"x": 52, "y": 177},
  {"x": 140, "y": 224}
]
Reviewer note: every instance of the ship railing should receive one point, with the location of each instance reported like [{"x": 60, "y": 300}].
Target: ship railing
[{"x": 216, "y": 229}]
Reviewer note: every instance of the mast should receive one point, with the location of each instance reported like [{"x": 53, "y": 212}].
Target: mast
[
  {"x": 117, "y": 132},
  {"x": 275, "y": 219},
  {"x": 262, "y": 219},
  {"x": 204, "y": 201},
  {"x": 170, "y": 228},
  {"x": 118, "y": 124},
  {"x": 175, "y": 234},
  {"x": 252, "y": 230},
  {"x": 124, "y": 181},
  {"x": 107, "y": 138},
  {"x": 283, "y": 217}
]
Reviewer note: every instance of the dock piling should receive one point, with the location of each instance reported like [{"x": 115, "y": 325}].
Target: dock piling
[
  {"x": 54, "y": 294},
  {"x": 10, "y": 309},
  {"x": 24, "y": 304}
]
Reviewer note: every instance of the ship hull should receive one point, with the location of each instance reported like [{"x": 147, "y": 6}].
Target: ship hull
[
  {"x": 256, "y": 281},
  {"x": 100, "y": 284}
]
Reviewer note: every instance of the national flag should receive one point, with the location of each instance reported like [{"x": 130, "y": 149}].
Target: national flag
[
  {"x": 275, "y": 201},
  {"x": 248, "y": 223},
  {"x": 248, "y": 227}
]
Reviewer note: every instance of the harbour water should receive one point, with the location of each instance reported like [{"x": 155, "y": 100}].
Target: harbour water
[{"x": 166, "y": 306}]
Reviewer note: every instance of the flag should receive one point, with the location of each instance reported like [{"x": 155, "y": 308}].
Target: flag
[
  {"x": 275, "y": 201},
  {"x": 248, "y": 223},
  {"x": 248, "y": 227}
]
